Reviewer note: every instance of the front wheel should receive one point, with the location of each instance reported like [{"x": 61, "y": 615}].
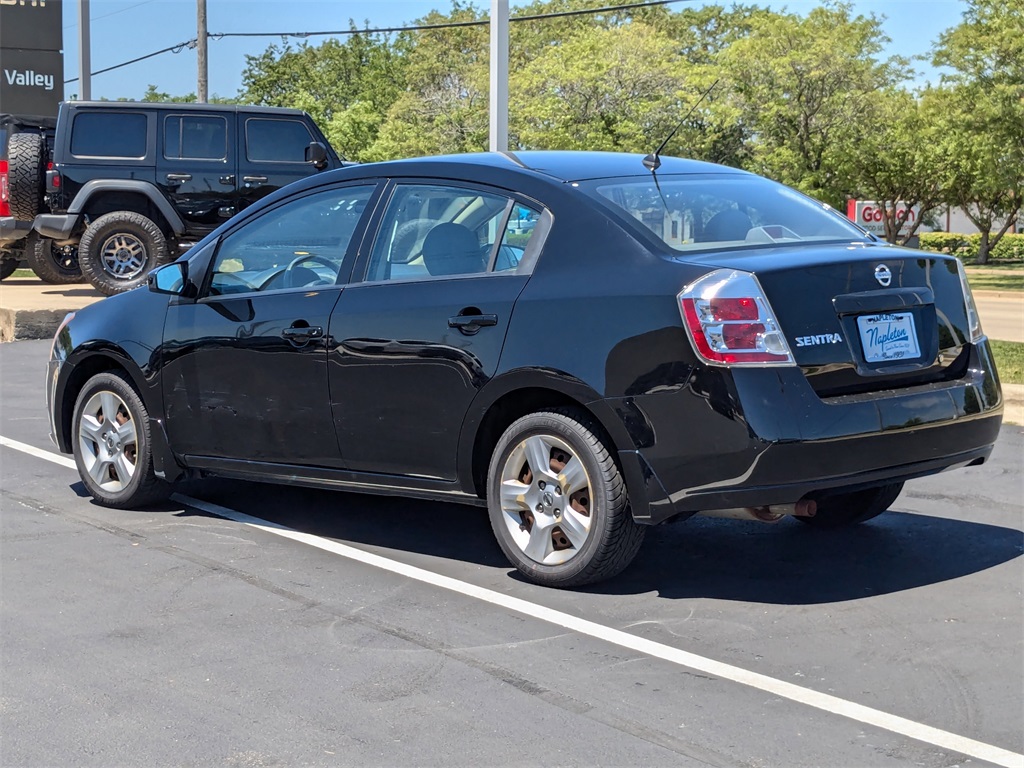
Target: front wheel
[
  {"x": 843, "y": 509},
  {"x": 119, "y": 249},
  {"x": 112, "y": 444},
  {"x": 557, "y": 502}
]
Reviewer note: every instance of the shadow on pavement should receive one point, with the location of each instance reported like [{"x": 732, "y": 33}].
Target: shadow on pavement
[{"x": 786, "y": 563}]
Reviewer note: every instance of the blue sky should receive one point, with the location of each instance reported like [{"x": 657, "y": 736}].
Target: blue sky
[{"x": 125, "y": 29}]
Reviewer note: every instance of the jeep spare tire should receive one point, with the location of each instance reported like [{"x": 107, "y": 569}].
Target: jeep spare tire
[
  {"x": 119, "y": 249},
  {"x": 25, "y": 174},
  {"x": 52, "y": 263}
]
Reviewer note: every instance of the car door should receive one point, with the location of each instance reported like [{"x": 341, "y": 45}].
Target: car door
[
  {"x": 272, "y": 153},
  {"x": 422, "y": 332},
  {"x": 196, "y": 167},
  {"x": 245, "y": 364}
]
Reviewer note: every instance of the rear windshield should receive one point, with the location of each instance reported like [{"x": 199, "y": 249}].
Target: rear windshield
[{"x": 692, "y": 213}]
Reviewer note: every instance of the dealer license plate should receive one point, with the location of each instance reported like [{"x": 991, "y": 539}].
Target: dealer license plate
[{"x": 889, "y": 336}]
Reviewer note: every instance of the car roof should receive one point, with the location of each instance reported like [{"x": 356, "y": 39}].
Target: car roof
[{"x": 569, "y": 166}]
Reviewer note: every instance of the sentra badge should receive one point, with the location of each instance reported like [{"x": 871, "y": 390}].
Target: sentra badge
[{"x": 821, "y": 338}]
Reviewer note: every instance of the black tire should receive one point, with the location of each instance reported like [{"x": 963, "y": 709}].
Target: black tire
[
  {"x": 101, "y": 464},
  {"x": 8, "y": 263},
  {"x": 25, "y": 174},
  {"x": 52, "y": 263},
  {"x": 613, "y": 537},
  {"x": 119, "y": 249},
  {"x": 844, "y": 509}
]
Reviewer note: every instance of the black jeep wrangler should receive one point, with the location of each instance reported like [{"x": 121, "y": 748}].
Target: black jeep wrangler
[
  {"x": 133, "y": 184},
  {"x": 25, "y": 143}
]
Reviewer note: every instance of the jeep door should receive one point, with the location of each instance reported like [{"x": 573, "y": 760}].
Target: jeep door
[
  {"x": 420, "y": 329},
  {"x": 272, "y": 152},
  {"x": 196, "y": 167},
  {"x": 245, "y": 363}
]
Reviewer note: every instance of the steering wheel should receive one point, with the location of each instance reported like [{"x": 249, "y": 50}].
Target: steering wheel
[{"x": 289, "y": 278}]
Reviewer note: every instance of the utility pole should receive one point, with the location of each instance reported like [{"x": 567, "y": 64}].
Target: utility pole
[
  {"x": 84, "y": 57},
  {"x": 499, "y": 76},
  {"x": 201, "y": 40}
]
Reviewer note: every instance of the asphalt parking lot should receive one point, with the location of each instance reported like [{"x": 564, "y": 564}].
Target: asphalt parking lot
[{"x": 367, "y": 631}]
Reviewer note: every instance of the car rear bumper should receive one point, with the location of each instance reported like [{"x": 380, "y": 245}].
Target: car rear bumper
[
  {"x": 55, "y": 226},
  {"x": 749, "y": 438},
  {"x": 12, "y": 230}
]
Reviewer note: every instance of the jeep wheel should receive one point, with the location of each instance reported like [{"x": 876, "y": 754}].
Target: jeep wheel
[
  {"x": 119, "y": 249},
  {"x": 52, "y": 263},
  {"x": 8, "y": 263},
  {"x": 25, "y": 174}
]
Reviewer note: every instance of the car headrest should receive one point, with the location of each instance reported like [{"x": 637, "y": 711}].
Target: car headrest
[
  {"x": 452, "y": 249},
  {"x": 730, "y": 224}
]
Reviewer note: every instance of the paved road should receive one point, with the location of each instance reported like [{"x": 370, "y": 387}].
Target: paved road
[
  {"x": 1002, "y": 316},
  {"x": 175, "y": 636}
]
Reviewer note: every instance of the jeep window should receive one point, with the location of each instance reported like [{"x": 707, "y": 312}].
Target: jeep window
[
  {"x": 109, "y": 134},
  {"x": 195, "y": 137},
  {"x": 276, "y": 141}
]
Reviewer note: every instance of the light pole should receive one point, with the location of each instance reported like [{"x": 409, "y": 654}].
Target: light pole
[
  {"x": 499, "y": 76},
  {"x": 84, "y": 58},
  {"x": 201, "y": 51}
]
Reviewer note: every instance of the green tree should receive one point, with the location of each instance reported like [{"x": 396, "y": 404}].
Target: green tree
[
  {"x": 800, "y": 87},
  {"x": 981, "y": 110},
  {"x": 339, "y": 84},
  {"x": 894, "y": 152}
]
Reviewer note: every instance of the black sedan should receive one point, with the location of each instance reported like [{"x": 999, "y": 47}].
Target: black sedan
[{"x": 655, "y": 345}]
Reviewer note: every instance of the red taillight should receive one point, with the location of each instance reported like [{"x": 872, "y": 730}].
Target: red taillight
[
  {"x": 5, "y": 192},
  {"x": 734, "y": 309},
  {"x": 715, "y": 310}
]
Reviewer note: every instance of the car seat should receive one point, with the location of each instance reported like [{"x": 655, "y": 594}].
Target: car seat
[{"x": 452, "y": 249}]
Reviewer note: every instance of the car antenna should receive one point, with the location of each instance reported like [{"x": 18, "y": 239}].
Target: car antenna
[{"x": 652, "y": 162}]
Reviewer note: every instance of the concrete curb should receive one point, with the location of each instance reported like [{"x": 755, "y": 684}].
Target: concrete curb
[{"x": 23, "y": 324}]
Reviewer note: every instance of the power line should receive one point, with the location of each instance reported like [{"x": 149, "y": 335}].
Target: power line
[
  {"x": 386, "y": 30},
  {"x": 456, "y": 24}
]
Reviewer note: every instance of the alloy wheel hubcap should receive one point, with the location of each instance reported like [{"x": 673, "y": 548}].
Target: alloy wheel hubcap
[
  {"x": 124, "y": 256},
  {"x": 108, "y": 441},
  {"x": 546, "y": 500}
]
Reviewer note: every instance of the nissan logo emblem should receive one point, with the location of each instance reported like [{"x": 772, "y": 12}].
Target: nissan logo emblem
[{"x": 883, "y": 275}]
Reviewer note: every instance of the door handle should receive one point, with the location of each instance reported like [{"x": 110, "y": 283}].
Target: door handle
[
  {"x": 178, "y": 178},
  {"x": 303, "y": 332},
  {"x": 470, "y": 324},
  {"x": 254, "y": 180},
  {"x": 229, "y": 179}
]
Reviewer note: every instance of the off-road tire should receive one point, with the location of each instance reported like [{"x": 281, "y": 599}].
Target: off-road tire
[
  {"x": 26, "y": 162},
  {"x": 99, "y": 246},
  {"x": 8, "y": 263},
  {"x": 144, "y": 487},
  {"x": 846, "y": 509},
  {"x": 50, "y": 263},
  {"x": 614, "y": 538}
]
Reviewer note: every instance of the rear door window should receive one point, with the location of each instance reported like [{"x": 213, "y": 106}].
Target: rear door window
[
  {"x": 435, "y": 231},
  {"x": 195, "y": 137}
]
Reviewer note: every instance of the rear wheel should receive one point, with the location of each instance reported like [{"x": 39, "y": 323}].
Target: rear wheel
[
  {"x": 557, "y": 502},
  {"x": 52, "y": 263},
  {"x": 25, "y": 174},
  {"x": 112, "y": 444},
  {"x": 119, "y": 249},
  {"x": 843, "y": 509},
  {"x": 8, "y": 263}
]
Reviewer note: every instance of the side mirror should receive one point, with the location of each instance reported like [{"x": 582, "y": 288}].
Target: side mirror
[
  {"x": 316, "y": 153},
  {"x": 170, "y": 278}
]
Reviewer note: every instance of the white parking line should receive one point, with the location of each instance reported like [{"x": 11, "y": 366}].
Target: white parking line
[{"x": 780, "y": 688}]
